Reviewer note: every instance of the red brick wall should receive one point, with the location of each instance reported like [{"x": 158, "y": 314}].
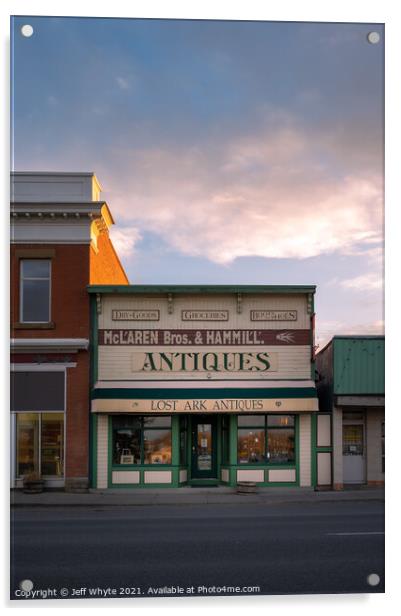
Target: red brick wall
[
  {"x": 105, "y": 266},
  {"x": 69, "y": 297},
  {"x": 77, "y": 418}
]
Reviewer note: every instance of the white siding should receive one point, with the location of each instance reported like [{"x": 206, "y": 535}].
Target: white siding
[
  {"x": 115, "y": 363},
  {"x": 374, "y": 419},
  {"x": 102, "y": 451},
  {"x": 250, "y": 475},
  {"x": 119, "y": 477},
  {"x": 305, "y": 450},
  {"x": 157, "y": 476},
  {"x": 323, "y": 468},
  {"x": 323, "y": 430},
  {"x": 282, "y": 475},
  {"x": 225, "y": 475},
  {"x": 206, "y": 302},
  {"x": 337, "y": 447}
]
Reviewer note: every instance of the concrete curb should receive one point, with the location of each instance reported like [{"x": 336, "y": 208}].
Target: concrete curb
[{"x": 124, "y": 500}]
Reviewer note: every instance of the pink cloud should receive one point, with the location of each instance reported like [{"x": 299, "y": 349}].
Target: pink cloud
[{"x": 265, "y": 194}]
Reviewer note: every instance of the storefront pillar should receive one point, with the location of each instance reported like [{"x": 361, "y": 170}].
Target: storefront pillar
[
  {"x": 175, "y": 449},
  {"x": 233, "y": 450}
]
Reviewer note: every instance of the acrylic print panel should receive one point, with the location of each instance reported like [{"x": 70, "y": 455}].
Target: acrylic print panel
[{"x": 196, "y": 305}]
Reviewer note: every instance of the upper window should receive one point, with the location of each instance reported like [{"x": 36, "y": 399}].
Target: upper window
[{"x": 35, "y": 290}]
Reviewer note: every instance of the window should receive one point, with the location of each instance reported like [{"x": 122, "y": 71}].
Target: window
[
  {"x": 40, "y": 444},
  {"x": 35, "y": 290},
  {"x": 141, "y": 440},
  {"x": 266, "y": 439}
]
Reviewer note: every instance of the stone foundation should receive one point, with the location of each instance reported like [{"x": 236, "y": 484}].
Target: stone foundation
[{"x": 77, "y": 484}]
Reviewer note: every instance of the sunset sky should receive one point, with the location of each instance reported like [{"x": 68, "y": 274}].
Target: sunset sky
[{"x": 228, "y": 152}]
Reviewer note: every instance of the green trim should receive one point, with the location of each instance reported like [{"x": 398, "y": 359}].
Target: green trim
[
  {"x": 232, "y": 449},
  {"x": 93, "y": 451},
  {"x": 175, "y": 449},
  {"x": 138, "y": 289},
  {"x": 93, "y": 373},
  {"x": 205, "y": 394},
  {"x": 313, "y": 451},
  {"x": 203, "y": 482},
  {"x": 297, "y": 451},
  {"x": 93, "y": 342}
]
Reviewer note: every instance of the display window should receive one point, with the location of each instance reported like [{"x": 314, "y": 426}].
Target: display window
[
  {"x": 141, "y": 440},
  {"x": 40, "y": 444},
  {"x": 268, "y": 439}
]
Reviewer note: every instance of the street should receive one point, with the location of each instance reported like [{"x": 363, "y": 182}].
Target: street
[{"x": 282, "y": 548}]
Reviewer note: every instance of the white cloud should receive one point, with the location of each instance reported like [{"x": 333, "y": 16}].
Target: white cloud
[
  {"x": 372, "y": 281},
  {"x": 265, "y": 194},
  {"x": 125, "y": 240},
  {"x": 325, "y": 330},
  {"x": 123, "y": 83}
]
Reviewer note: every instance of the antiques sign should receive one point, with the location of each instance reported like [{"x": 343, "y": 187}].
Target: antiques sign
[
  {"x": 204, "y": 362},
  {"x": 203, "y": 337}
]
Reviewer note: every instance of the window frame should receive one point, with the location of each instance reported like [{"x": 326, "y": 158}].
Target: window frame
[
  {"x": 142, "y": 429},
  {"x": 21, "y": 289},
  {"x": 265, "y": 461}
]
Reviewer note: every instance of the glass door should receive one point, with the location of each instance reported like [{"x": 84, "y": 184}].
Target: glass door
[{"x": 203, "y": 447}]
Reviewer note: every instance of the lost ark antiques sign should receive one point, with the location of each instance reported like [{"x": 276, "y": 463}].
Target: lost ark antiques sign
[{"x": 225, "y": 405}]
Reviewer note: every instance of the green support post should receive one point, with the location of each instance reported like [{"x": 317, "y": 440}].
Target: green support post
[
  {"x": 175, "y": 446},
  {"x": 233, "y": 450}
]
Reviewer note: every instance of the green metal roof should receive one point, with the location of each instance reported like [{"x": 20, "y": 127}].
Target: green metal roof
[
  {"x": 137, "y": 289},
  {"x": 358, "y": 365}
]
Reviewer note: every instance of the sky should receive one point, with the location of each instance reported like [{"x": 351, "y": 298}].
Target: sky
[{"x": 228, "y": 152}]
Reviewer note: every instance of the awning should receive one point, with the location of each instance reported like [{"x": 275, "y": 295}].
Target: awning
[{"x": 204, "y": 397}]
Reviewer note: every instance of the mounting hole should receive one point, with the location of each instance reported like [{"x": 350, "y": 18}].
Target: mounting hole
[
  {"x": 373, "y": 579},
  {"x": 373, "y": 37},
  {"x": 27, "y": 30},
  {"x": 26, "y": 585}
]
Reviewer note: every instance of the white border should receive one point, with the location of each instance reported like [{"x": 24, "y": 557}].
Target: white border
[{"x": 307, "y": 10}]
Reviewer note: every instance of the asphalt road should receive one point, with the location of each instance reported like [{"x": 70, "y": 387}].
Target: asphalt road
[{"x": 282, "y": 549}]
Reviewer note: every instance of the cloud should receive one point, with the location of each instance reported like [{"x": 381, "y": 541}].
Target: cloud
[
  {"x": 280, "y": 192},
  {"x": 125, "y": 240},
  {"x": 325, "y": 330},
  {"x": 366, "y": 282},
  {"x": 123, "y": 83}
]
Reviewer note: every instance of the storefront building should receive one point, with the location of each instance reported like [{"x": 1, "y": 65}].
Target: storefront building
[
  {"x": 350, "y": 371},
  {"x": 59, "y": 244},
  {"x": 203, "y": 385}
]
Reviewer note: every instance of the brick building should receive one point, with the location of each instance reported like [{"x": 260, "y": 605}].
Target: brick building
[{"x": 59, "y": 245}]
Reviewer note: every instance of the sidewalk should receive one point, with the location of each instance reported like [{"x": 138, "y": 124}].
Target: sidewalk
[{"x": 191, "y": 496}]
